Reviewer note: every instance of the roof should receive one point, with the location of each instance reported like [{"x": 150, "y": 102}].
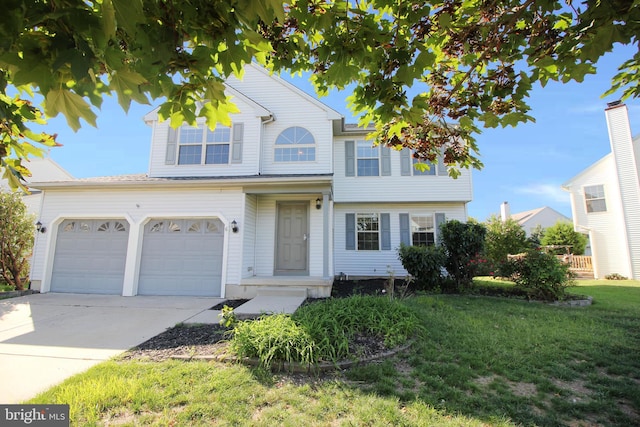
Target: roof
[
  {"x": 522, "y": 217},
  {"x": 145, "y": 180}
]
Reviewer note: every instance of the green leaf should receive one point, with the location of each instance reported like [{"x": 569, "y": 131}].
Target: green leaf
[
  {"x": 127, "y": 84},
  {"x": 128, "y": 13},
  {"x": 71, "y": 105},
  {"x": 108, "y": 19}
]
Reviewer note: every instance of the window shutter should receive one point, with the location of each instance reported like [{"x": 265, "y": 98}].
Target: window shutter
[
  {"x": 385, "y": 154},
  {"x": 440, "y": 219},
  {"x": 385, "y": 235},
  {"x": 172, "y": 140},
  {"x": 350, "y": 232},
  {"x": 350, "y": 158},
  {"x": 236, "y": 150},
  {"x": 442, "y": 167},
  {"x": 405, "y": 162},
  {"x": 405, "y": 232}
]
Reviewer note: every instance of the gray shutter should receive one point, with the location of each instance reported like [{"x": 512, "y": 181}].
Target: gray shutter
[
  {"x": 350, "y": 231},
  {"x": 350, "y": 158},
  {"x": 440, "y": 219},
  {"x": 385, "y": 232},
  {"x": 172, "y": 141},
  {"x": 405, "y": 232},
  {"x": 405, "y": 162},
  {"x": 236, "y": 150},
  {"x": 385, "y": 157},
  {"x": 442, "y": 167}
]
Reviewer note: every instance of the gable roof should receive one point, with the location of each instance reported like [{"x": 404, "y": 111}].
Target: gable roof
[
  {"x": 567, "y": 185},
  {"x": 331, "y": 113},
  {"x": 523, "y": 217}
]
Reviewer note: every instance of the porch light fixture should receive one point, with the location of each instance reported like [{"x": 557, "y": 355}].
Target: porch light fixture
[
  {"x": 41, "y": 228},
  {"x": 318, "y": 203},
  {"x": 234, "y": 226}
]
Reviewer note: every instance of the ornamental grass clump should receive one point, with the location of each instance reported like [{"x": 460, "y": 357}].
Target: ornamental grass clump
[
  {"x": 273, "y": 338},
  {"x": 321, "y": 332}
]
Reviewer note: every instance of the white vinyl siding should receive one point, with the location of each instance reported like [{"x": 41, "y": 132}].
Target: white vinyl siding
[
  {"x": 138, "y": 205},
  {"x": 375, "y": 263},
  {"x": 606, "y": 229},
  {"x": 396, "y": 187}
]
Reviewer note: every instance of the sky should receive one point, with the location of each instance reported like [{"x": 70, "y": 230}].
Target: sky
[{"x": 524, "y": 166}]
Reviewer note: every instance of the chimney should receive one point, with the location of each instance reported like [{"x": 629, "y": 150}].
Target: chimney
[
  {"x": 626, "y": 158},
  {"x": 505, "y": 212}
]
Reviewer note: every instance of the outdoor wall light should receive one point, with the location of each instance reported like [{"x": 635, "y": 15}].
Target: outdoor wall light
[
  {"x": 234, "y": 226},
  {"x": 318, "y": 203},
  {"x": 41, "y": 228}
]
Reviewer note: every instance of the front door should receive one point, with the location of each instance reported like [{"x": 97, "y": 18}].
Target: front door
[{"x": 291, "y": 239}]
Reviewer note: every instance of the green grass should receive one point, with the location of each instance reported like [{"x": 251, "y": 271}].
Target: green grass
[{"x": 481, "y": 361}]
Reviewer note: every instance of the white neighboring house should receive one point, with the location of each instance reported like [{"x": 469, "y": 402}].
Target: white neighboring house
[
  {"x": 544, "y": 217},
  {"x": 287, "y": 197},
  {"x": 605, "y": 200},
  {"x": 42, "y": 170}
]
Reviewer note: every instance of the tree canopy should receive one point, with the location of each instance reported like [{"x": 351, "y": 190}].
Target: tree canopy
[{"x": 428, "y": 74}]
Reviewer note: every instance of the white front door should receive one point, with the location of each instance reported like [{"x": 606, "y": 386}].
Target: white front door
[{"x": 292, "y": 239}]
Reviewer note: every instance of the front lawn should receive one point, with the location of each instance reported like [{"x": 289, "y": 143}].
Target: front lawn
[{"x": 481, "y": 361}]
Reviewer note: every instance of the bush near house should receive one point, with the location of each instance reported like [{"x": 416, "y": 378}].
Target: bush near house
[
  {"x": 425, "y": 264},
  {"x": 462, "y": 242},
  {"x": 563, "y": 234},
  {"x": 16, "y": 239}
]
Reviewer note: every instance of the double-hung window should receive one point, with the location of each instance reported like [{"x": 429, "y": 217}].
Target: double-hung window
[
  {"x": 418, "y": 171},
  {"x": 422, "y": 230},
  {"x": 368, "y": 232},
  {"x": 295, "y": 144},
  {"x": 200, "y": 145},
  {"x": 368, "y": 159},
  {"x": 594, "y": 198}
]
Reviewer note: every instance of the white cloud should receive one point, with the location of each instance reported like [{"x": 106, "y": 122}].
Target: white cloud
[{"x": 547, "y": 191}]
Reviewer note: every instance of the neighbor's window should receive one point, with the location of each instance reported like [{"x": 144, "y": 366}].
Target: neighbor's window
[
  {"x": 368, "y": 232},
  {"x": 295, "y": 144},
  {"x": 200, "y": 145},
  {"x": 594, "y": 198},
  {"x": 422, "y": 230},
  {"x": 368, "y": 159}
]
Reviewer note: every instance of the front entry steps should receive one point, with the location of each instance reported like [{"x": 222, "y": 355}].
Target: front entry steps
[{"x": 268, "y": 301}]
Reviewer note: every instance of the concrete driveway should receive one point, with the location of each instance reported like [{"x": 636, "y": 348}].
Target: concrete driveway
[{"x": 46, "y": 338}]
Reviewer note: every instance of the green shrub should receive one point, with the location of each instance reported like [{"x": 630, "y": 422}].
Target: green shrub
[
  {"x": 503, "y": 238},
  {"x": 462, "y": 243},
  {"x": 322, "y": 331},
  {"x": 424, "y": 263},
  {"x": 541, "y": 275}
]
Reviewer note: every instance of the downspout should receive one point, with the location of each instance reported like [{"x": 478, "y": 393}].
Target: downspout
[{"x": 271, "y": 118}]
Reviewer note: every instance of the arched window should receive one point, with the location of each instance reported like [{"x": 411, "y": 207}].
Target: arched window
[{"x": 295, "y": 144}]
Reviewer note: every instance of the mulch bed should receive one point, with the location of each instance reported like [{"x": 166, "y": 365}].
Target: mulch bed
[{"x": 204, "y": 340}]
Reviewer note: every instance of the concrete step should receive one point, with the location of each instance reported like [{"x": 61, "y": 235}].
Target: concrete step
[
  {"x": 269, "y": 305},
  {"x": 282, "y": 291}
]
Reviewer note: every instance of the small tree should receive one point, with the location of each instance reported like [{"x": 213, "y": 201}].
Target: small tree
[
  {"x": 562, "y": 233},
  {"x": 504, "y": 238},
  {"x": 16, "y": 239},
  {"x": 535, "y": 239},
  {"x": 462, "y": 243}
]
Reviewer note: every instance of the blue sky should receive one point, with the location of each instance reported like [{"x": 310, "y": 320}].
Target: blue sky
[{"x": 524, "y": 166}]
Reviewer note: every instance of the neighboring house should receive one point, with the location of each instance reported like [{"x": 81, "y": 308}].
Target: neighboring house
[
  {"x": 605, "y": 200},
  {"x": 544, "y": 217},
  {"x": 287, "y": 197},
  {"x": 42, "y": 170}
]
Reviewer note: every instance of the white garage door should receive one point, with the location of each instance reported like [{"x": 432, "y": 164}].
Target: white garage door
[
  {"x": 182, "y": 257},
  {"x": 90, "y": 256}
]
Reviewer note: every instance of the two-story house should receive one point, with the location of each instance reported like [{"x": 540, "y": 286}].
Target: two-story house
[
  {"x": 287, "y": 196},
  {"x": 605, "y": 200}
]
